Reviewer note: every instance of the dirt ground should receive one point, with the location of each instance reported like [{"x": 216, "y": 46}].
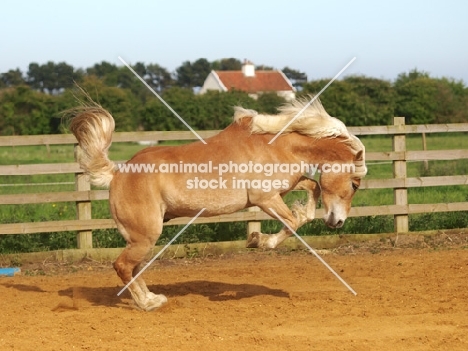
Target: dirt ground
[{"x": 409, "y": 298}]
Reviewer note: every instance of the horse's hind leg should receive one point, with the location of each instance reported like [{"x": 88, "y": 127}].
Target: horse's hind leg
[
  {"x": 299, "y": 215},
  {"x": 128, "y": 264}
]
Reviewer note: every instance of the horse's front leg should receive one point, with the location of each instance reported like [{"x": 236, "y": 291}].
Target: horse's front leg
[
  {"x": 306, "y": 213},
  {"x": 294, "y": 219}
]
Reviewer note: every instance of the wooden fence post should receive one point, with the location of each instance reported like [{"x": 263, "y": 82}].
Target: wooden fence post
[
  {"x": 400, "y": 195},
  {"x": 254, "y": 226},
  {"x": 424, "y": 145},
  {"x": 83, "y": 211}
]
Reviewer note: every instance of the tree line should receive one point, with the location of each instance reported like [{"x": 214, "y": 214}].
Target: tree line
[{"x": 32, "y": 102}]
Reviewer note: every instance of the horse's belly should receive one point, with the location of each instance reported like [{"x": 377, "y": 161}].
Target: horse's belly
[{"x": 214, "y": 203}]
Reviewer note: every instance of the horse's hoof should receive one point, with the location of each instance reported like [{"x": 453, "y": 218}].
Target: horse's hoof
[
  {"x": 154, "y": 302},
  {"x": 253, "y": 240}
]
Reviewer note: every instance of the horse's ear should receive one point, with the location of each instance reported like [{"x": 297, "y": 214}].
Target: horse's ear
[{"x": 359, "y": 156}]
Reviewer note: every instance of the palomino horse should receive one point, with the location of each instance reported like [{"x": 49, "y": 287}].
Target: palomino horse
[{"x": 235, "y": 169}]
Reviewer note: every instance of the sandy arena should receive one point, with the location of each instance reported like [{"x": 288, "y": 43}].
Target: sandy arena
[{"x": 408, "y": 299}]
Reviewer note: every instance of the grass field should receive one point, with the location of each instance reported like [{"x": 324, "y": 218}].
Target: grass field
[{"x": 225, "y": 231}]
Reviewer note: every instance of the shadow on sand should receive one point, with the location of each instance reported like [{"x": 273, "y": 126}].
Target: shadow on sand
[{"x": 212, "y": 290}]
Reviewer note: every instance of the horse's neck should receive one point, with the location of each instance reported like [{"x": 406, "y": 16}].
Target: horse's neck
[
  {"x": 299, "y": 146},
  {"x": 320, "y": 151}
]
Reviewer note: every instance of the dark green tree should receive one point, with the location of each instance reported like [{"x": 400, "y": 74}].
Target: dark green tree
[
  {"x": 416, "y": 97},
  {"x": 263, "y": 67},
  {"x": 24, "y": 111},
  {"x": 193, "y": 74},
  {"x": 412, "y": 75},
  {"x": 422, "y": 99},
  {"x": 121, "y": 103},
  {"x": 356, "y": 100},
  {"x": 50, "y": 78},
  {"x": 213, "y": 110},
  {"x": 184, "y": 75},
  {"x": 227, "y": 64},
  {"x": 452, "y": 102},
  {"x": 269, "y": 102},
  {"x": 156, "y": 116},
  {"x": 65, "y": 76},
  {"x": 12, "y": 78},
  {"x": 102, "y": 70},
  {"x": 35, "y": 76},
  {"x": 140, "y": 69},
  {"x": 216, "y": 109},
  {"x": 158, "y": 77},
  {"x": 297, "y": 78},
  {"x": 201, "y": 68}
]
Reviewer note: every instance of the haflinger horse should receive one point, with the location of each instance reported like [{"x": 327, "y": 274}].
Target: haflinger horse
[{"x": 255, "y": 173}]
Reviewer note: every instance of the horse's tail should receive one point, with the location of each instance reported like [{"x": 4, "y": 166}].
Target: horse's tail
[{"x": 93, "y": 126}]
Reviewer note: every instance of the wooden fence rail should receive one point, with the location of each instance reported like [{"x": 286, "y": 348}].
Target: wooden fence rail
[{"x": 83, "y": 195}]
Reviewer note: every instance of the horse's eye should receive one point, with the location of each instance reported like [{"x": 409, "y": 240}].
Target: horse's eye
[{"x": 355, "y": 186}]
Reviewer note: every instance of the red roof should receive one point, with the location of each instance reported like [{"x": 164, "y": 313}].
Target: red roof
[{"x": 263, "y": 81}]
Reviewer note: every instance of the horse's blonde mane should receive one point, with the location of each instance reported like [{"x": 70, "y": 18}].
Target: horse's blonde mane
[{"x": 312, "y": 120}]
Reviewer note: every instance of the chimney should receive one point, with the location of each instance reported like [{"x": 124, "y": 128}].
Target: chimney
[{"x": 248, "y": 68}]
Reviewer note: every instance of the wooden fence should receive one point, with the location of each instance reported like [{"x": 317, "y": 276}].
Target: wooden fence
[{"x": 83, "y": 195}]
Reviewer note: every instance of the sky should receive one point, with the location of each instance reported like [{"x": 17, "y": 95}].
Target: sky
[{"x": 316, "y": 37}]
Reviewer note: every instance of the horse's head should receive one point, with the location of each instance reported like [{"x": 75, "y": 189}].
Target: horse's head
[
  {"x": 339, "y": 183},
  {"x": 319, "y": 138}
]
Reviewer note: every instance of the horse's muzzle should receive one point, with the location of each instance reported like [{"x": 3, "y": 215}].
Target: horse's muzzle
[{"x": 332, "y": 221}]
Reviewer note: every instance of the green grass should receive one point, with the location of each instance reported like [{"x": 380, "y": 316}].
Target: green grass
[
  {"x": 225, "y": 231},
  {"x": 414, "y": 142}
]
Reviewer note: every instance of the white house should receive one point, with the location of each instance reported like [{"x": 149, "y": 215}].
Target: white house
[{"x": 251, "y": 81}]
